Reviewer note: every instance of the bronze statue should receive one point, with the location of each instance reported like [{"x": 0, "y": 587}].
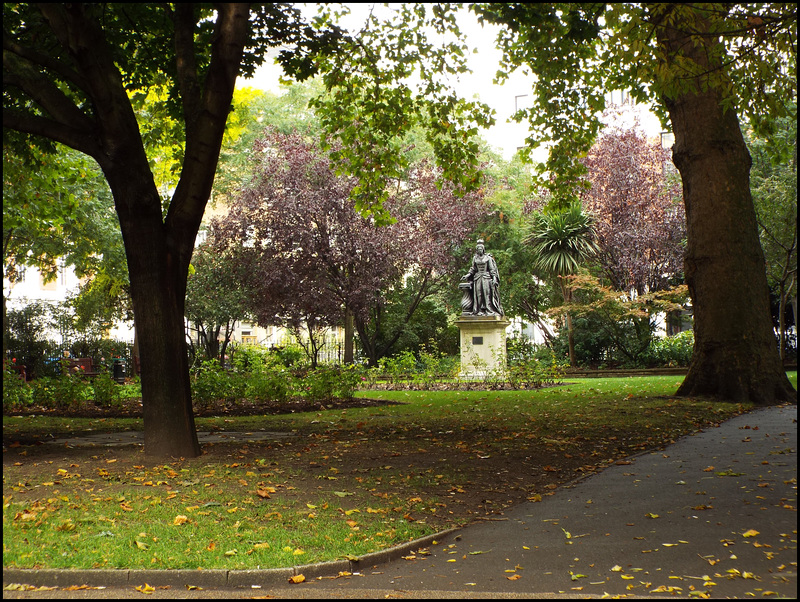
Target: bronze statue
[{"x": 481, "y": 290}]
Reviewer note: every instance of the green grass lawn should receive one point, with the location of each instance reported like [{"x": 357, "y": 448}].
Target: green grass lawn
[{"x": 349, "y": 482}]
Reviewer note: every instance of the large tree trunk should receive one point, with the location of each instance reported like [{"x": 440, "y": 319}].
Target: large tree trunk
[
  {"x": 158, "y": 288},
  {"x": 158, "y": 248},
  {"x": 736, "y": 354}
]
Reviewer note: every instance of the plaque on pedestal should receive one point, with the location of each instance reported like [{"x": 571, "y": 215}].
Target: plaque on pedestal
[{"x": 483, "y": 345}]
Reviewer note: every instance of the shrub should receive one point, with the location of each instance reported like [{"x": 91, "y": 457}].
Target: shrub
[
  {"x": 429, "y": 364},
  {"x": 106, "y": 391},
  {"x": 16, "y": 392},
  {"x": 319, "y": 384},
  {"x": 519, "y": 350},
  {"x": 291, "y": 356},
  {"x": 671, "y": 351},
  {"x": 60, "y": 391},
  {"x": 401, "y": 366},
  {"x": 249, "y": 358},
  {"x": 348, "y": 379},
  {"x": 211, "y": 383},
  {"x": 329, "y": 381},
  {"x": 269, "y": 380}
]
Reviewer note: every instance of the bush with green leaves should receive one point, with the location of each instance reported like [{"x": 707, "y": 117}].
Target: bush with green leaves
[
  {"x": 671, "y": 351},
  {"x": 106, "y": 391},
  {"x": 269, "y": 379},
  {"x": 399, "y": 367},
  {"x": 318, "y": 384},
  {"x": 433, "y": 365},
  {"x": 249, "y": 358},
  {"x": 16, "y": 392},
  {"x": 519, "y": 350},
  {"x": 330, "y": 381},
  {"x": 65, "y": 391},
  {"x": 211, "y": 383},
  {"x": 292, "y": 356},
  {"x": 348, "y": 379}
]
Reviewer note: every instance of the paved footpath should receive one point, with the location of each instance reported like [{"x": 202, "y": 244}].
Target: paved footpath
[{"x": 713, "y": 515}]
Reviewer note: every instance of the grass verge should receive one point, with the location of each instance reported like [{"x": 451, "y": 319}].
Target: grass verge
[{"x": 348, "y": 482}]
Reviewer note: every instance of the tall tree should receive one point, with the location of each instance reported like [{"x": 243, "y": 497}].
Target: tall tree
[
  {"x": 702, "y": 65},
  {"x": 386, "y": 80},
  {"x": 640, "y": 222},
  {"x": 58, "y": 213},
  {"x": 312, "y": 256},
  {"x": 774, "y": 185},
  {"x": 215, "y": 299},
  {"x": 71, "y": 73}
]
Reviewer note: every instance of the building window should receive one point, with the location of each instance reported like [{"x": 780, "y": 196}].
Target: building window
[{"x": 519, "y": 103}]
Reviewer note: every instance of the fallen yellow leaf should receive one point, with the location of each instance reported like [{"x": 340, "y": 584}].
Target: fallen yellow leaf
[
  {"x": 145, "y": 589},
  {"x": 750, "y": 533},
  {"x": 514, "y": 577},
  {"x": 180, "y": 520},
  {"x": 297, "y": 578}
]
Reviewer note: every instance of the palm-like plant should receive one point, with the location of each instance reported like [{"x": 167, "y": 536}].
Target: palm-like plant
[{"x": 561, "y": 242}]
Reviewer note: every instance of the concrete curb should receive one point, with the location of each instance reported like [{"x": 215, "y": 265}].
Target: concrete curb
[{"x": 219, "y": 578}]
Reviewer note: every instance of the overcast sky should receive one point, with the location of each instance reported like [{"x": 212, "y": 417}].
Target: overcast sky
[{"x": 505, "y": 136}]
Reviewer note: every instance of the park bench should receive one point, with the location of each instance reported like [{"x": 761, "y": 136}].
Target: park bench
[
  {"x": 20, "y": 369},
  {"x": 83, "y": 366}
]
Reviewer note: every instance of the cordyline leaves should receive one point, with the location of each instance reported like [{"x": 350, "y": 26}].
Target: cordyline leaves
[{"x": 562, "y": 240}]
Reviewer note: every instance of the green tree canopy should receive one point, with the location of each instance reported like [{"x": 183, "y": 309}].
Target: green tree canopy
[{"x": 74, "y": 74}]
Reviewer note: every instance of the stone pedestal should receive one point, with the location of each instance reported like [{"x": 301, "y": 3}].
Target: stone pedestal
[{"x": 483, "y": 345}]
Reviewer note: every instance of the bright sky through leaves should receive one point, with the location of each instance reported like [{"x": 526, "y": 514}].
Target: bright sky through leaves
[{"x": 505, "y": 136}]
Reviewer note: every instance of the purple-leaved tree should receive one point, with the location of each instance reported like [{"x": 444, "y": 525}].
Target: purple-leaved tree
[
  {"x": 640, "y": 221},
  {"x": 312, "y": 258}
]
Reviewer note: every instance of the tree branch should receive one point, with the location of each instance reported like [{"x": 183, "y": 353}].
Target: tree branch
[
  {"x": 79, "y": 139},
  {"x": 47, "y": 62},
  {"x": 185, "y": 62},
  {"x": 204, "y": 133},
  {"x": 40, "y": 88}
]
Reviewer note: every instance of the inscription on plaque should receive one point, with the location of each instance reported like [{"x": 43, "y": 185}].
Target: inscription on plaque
[{"x": 477, "y": 340}]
